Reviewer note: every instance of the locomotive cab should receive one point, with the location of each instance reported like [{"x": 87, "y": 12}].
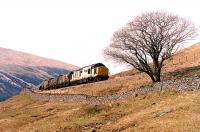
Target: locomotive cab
[{"x": 100, "y": 71}]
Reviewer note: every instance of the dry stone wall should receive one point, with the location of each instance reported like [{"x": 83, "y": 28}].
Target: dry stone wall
[{"x": 184, "y": 84}]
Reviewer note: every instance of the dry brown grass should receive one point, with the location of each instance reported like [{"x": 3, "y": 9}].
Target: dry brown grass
[
  {"x": 161, "y": 111},
  {"x": 188, "y": 57}
]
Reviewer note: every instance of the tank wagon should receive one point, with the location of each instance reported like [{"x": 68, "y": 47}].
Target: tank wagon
[{"x": 92, "y": 73}]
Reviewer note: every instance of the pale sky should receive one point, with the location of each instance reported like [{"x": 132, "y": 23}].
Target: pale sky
[{"x": 76, "y": 31}]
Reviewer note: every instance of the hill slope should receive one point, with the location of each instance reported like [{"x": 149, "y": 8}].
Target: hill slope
[
  {"x": 188, "y": 57},
  {"x": 18, "y": 70},
  {"x": 162, "y": 111},
  {"x": 154, "y": 111}
]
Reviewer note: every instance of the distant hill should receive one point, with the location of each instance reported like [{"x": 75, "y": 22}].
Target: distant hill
[
  {"x": 11, "y": 57},
  {"x": 18, "y": 70}
]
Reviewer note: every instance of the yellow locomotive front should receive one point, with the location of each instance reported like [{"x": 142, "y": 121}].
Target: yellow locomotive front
[{"x": 102, "y": 72}]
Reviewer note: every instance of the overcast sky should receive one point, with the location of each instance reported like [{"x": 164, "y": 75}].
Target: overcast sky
[{"x": 76, "y": 31}]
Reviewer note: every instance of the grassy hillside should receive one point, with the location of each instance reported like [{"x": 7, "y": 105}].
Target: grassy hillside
[
  {"x": 153, "y": 111},
  {"x": 188, "y": 57},
  {"x": 163, "y": 111}
]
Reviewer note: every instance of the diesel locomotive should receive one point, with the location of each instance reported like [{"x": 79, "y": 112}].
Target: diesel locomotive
[{"x": 92, "y": 73}]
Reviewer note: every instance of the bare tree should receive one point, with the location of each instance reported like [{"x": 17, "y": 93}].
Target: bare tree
[{"x": 148, "y": 40}]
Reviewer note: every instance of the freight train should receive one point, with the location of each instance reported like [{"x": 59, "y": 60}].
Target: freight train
[{"x": 92, "y": 73}]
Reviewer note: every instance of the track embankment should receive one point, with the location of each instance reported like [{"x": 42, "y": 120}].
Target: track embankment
[{"x": 183, "y": 84}]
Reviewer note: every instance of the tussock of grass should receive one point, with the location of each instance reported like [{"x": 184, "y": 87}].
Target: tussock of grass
[{"x": 93, "y": 110}]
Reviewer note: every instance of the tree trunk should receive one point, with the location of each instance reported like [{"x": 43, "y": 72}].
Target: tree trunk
[
  {"x": 157, "y": 69},
  {"x": 151, "y": 76}
]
